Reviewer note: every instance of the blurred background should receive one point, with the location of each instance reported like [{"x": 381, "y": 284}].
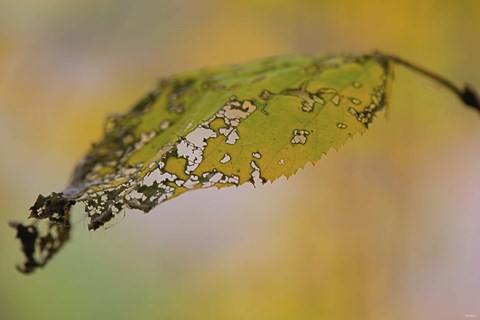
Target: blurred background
[{"x": 386, "y": 228}]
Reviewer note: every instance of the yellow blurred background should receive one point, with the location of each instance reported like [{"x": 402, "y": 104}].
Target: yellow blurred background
[{"x": 386, "y": 228}]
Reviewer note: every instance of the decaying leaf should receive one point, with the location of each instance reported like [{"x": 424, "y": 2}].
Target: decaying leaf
[{"x": 216, "y": 127}]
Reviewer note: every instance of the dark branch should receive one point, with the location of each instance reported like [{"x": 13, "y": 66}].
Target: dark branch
[{"x": 468, "y": 94}]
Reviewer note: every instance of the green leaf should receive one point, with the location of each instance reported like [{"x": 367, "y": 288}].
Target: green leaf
[
  {"x": 218, "y": 127},
  {"x": 227, "y": 126}
]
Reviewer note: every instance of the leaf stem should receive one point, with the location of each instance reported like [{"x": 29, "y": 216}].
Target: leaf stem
[{"x": 468, "y": 94}]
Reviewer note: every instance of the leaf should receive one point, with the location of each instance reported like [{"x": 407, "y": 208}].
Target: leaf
[{"x": 216, "y": 127}]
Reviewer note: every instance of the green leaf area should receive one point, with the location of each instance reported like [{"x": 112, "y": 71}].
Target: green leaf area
[{"x": 216, "y": 127}]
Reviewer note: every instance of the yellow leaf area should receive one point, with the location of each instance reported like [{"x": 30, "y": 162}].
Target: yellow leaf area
[{"x": 225, "y": 126}]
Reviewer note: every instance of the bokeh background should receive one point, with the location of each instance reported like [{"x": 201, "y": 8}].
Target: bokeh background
[{"x": 386, "y": 228}]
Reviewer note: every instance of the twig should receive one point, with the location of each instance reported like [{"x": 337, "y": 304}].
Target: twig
[{"x": 468, "y": 94}]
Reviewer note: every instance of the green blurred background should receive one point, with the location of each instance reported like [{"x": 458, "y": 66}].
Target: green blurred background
[{"x": 387, "y": 228}]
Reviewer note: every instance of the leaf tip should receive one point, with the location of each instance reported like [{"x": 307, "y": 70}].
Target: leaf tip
[{"x": 14, "y": 224}]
